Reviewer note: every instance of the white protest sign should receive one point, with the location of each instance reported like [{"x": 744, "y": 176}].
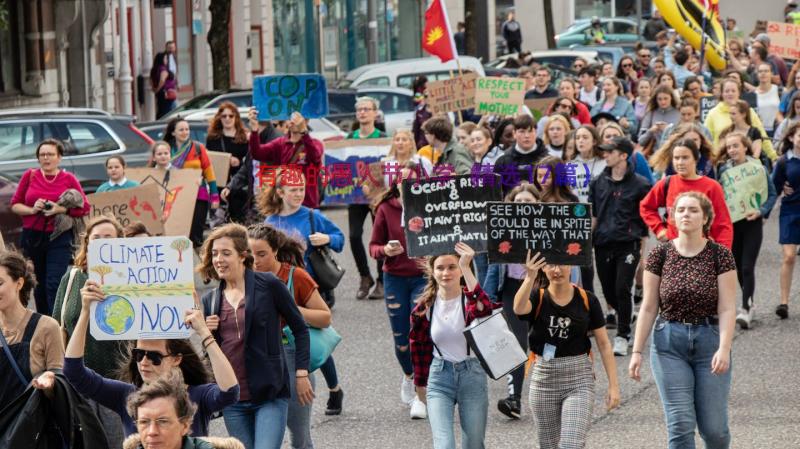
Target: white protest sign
[{"x": 148, "y": 284}]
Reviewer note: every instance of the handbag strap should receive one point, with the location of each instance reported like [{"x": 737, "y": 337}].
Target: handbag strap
[
  {"x": 11, "y": 359},
  {"x": 290, "y": 282},
  {"x": 463, "y": 311},
  {"x": 311, "y": 220}
]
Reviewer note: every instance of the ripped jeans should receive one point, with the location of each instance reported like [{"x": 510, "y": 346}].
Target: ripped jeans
[{"x": 400, "y": 294}]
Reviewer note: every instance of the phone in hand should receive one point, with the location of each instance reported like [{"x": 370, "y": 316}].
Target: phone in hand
[{"x": 394, "y": 243}]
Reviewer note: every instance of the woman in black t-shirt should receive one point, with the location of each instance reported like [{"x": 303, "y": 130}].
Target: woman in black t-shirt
[
  {"x": 226, "y": 133},
  {"x": 562, "y": 379}
]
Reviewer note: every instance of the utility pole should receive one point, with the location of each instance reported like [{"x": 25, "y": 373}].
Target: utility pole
[
  {"x": 372, "y": 31},
  {"x": 148, "y": 111},
  {"x": 124, "y": 78}
]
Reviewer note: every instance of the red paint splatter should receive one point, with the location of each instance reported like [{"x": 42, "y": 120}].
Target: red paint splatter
[
  {"x": 573, "y": 249},
  {"x": 416, "y": 224},
  {"x": 504, "y": 247}
]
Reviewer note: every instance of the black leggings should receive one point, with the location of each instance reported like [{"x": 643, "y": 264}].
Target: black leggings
[
  {"x": 199, "y": 223},
  {"x": 616, "y": 268},
  {"x": 747, "y": 237},
  {"x": 356, "y": 214},
  {"x": 520, "y": 330}
]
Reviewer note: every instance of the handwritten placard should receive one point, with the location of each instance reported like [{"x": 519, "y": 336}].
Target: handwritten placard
[
  {"x": 499, "y": 96},
  {"x": 784, "y": 39},
  {"x": 439, "y": 213},
  {"x": 745, "y": 188},
  {"x": 452, "y": 94},
  {"x": 222, "y": 166},
  {"x": 140, "y": 203},
  {"x": 347, "y": 168},
  {"x": 277, "y": 96},
  {"x": 561, "y": 232},
  {"x": 148, "y": 283},
  {"x": 539, "y": 106},
  {"x": 177, "y": 190}
]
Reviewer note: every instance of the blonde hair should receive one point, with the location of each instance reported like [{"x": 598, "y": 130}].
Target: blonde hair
[
  {"x": 662, "y": 158},
  {"x": 552, "y": 119},
  {"x": 722, "y": 153},
  {"x": 410, "y": 135}
]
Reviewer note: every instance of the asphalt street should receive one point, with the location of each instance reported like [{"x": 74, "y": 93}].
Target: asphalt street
[{"x": 764, "y": 403}]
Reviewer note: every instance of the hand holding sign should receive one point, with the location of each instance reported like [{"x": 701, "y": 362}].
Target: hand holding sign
[
  {"x": 534, "y": 264},
  {"x": 194, "y": 319},
  {"x": 91, "y": 292},
  {"x": 252, "y": 117},
  {"x": 466, "y": 254},
  {"x": 277, "y": 96}
]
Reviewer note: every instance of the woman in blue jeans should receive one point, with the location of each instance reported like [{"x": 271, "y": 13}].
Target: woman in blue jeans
[
  {"x": 690, "y": 293},
  {"x": 403, "y": 280},
  {"x": 445, "y": 372},
  {"x": 245, "y": 315},
  {"x": 274, "y": 252}
]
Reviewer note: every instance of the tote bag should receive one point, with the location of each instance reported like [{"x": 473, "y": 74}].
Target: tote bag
[{"x": 495, "y": 346}]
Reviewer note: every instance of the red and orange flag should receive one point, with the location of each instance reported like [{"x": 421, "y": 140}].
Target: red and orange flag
[{"x": 436, "y": 37}]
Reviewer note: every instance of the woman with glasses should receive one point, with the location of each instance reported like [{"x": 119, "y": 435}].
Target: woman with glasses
[
  {"x": 148, "y": 361},
  {"x": 227, "y": 134},
  {"x": 629, "y": 75},
  {"x": 563, "y": 106}
]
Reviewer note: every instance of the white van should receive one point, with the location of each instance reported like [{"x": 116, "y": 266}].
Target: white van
[{"x": 402, "y": 73}]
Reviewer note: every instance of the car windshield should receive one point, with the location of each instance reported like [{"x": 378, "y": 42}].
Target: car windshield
[{"x": 197, "y": 102}]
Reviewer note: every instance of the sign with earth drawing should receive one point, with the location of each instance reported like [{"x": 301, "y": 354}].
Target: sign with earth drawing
[{"x": 148, "y": 283}]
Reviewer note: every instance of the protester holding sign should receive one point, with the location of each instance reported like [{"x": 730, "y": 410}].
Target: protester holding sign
[
  {"x": 560, "y": 316},
  {"x": 617, "y": 233},
  {"x": 115, "y": 168},
  {"x": 297, "y": 148},
  {"x": 366, "y": 113},
  {"x": 148, "y": 361},
  {"x": 690, "y": 295},
  {"x": 274, "y": 252},
  {"x": 403, "y": 282},
  {"x": 445, "y": 373},
  {"x": 740, "y": 173},
  {"x": 260, "y": 301},
  {"x": 226, "y": 133},
  {"x": 102, "y": 357},
  {"x": 186, "y": 153},
  {"x": 786, "y": 177}
]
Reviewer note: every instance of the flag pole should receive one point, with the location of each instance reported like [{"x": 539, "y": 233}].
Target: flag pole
[{"x": 703, "y": 31}]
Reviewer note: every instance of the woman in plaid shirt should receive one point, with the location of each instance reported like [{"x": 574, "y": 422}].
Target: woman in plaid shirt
[{"x": 445, "y": 373}]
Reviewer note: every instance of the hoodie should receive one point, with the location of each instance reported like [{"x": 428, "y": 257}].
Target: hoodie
[
  {"x": 388, "y": 226},
  {"x": 524, "y": 162},
  {"x": 615, "y": 205}
]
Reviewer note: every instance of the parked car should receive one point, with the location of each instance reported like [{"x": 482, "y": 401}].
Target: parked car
[
  {"x": 90, "y": 136},
  {"x": 10, "y": 223},
  {"x": 403, "y": 72},
  {"x": 211, "y": 100},
  {"x": 563, "y": 58},
  {"x": 614, "y": 52},
  {"x": 616, "y": 30}
]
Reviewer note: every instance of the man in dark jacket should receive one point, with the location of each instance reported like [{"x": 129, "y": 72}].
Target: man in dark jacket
[
  {"x": 618, "y": 230},
  {"x": 512, "y": 33}
]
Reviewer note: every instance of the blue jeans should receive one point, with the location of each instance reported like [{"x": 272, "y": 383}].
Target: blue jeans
[
  {"x": 400, "y": 292},
  {"x": 457, "y": 384},
  {"x": 328, "y": 370},
  {"x": 692, "y": 396},
  {"x": 257, "y": 426},
  {"x": 299, "y": 417}
]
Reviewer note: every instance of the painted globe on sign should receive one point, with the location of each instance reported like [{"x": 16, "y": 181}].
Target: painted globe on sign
[{"x": 114, "y": 316}]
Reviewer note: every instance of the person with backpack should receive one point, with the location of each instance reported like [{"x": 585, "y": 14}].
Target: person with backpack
[
  {"x": 560, "y": 316},
  {"x": 690, "y": 295},
  {"x": 786, "y": 177},
  {"x": 617, "y": 232}
]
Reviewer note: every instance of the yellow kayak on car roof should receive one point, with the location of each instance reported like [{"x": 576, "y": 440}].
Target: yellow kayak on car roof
[{"x": 686, "y": 17}]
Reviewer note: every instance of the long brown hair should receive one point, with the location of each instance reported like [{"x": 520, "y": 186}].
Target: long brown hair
[
  {"x": 81, "y": 255},
  {"x": 215, "y": 127},
  {"x": 238, "y": 235},
  {"x": 268, "y": 201},
  {"x": 558, "y": 192},
  {"x": 428, "y": 295},
  {"x": 662, "y": 159},
  {"x": 722, "y": 153},
  {"x": 193, "y": 367},
  {"x": 286, "y": 249},
  {"x": 17, "y": 266}
]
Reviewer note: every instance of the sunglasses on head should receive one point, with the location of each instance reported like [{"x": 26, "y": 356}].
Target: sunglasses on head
[{"x": 153, "y": 356}]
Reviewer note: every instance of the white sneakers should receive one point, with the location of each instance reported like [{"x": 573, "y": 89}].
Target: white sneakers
[
  {"x": 744, "y": 318},
  {"x": 620, "y": 346},
  {"x": 418, "y": 409},
  {"x": 407, "y": 391}
]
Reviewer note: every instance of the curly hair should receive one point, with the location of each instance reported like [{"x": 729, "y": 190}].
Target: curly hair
[
  {"x": 215, "y": 127},
  {"x": 238, "y": 235},
  {"x": 286, "y": 249},
  {"x": 169, "y": 386},
  {"x": 81, "y": 255},
  {"x": 18, "y": 267}
]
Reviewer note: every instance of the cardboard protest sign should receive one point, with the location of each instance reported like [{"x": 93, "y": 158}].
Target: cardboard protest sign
[
  {"x": 561, "y": 232},
  {"x": 499, "y": 96},
  {"x": 784, "y": 39},
  {"x": 745, "y": 188},
  {"x": 706, "y": 105},
  {"x": 148, "y": 283},
  {"x": 141, "y": 203},
  {"x": 222, "y": 166},
  {"x": 347, "y": 168},
  {"x": 439, "y": 213},
  {"x": 2, "y": 242},
  {"x": 539, "y": 106},
  {"x": 177, "y": 190},
  {"x": 451, "y": 95},
  {"x": 277, "y": 96}
]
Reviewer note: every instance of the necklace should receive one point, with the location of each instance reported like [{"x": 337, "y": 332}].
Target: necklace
[{"x": 54, "y": 177}]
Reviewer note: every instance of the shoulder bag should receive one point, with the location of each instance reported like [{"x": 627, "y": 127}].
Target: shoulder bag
[
  {"x": 64, "y": 302},
  {"x": 327, "y": 271}
]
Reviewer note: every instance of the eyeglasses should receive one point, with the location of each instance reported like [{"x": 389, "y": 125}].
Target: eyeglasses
[
  {"x": 644, "y": 55},
  {"x": 153, "y": 356},
  {"x": 161, "y": 423}
]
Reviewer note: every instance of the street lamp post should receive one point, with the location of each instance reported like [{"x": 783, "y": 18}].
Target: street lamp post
[{"x": 124, "y": 79}]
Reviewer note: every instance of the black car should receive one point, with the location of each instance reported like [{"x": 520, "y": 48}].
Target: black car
[
  {"x": 90, "y": 136},
  {"x": 10, "y": 223}
]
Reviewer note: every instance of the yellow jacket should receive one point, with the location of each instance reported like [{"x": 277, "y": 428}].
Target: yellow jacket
[
  {"x": 428, "y": 153},
  {"x": 719, "y": 118}
]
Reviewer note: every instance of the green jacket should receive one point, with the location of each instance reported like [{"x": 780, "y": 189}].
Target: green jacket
[
  {"x": 459, "y": 157},
  {"x": 103, "y": 357}
]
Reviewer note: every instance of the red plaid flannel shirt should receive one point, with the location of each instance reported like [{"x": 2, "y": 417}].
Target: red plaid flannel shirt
[{"x": 420, "y": 335}]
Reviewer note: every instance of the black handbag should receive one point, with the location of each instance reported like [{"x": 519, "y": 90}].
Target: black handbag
[{"x": 327, "y": 272}]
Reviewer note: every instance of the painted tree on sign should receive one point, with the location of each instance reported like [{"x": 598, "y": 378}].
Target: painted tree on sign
[
  {"x": 102, "y": 270},
  {"x": 180, "y": 246}
]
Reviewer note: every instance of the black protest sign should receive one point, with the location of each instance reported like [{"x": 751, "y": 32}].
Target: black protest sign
[
  {"x": 706, "y": 105},
  {"x": 439, "y": 213},
  {"x": 561, "y": 232}
]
